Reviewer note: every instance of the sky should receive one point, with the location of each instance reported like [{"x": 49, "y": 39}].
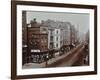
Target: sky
[{"x": 79, "y": 20}]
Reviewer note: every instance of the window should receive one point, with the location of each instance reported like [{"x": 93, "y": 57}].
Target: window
[
  {"x": 45, "y": 40},
  {"x": 51, "y": 38},
  {"x": 57, "y": 31},
  {"x": 45, "y": 47},
  {"x": 56, "y": 45},
  {"x": 51, "y": 32},
  {"x": 51, "y": 45},
  {"x": 44, "y": 29},
  {"x": 56, "y": 38},
  {"x": 41, "y": 41}
]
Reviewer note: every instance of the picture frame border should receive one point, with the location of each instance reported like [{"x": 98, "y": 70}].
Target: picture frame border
[{"x": 14, "y": 39}]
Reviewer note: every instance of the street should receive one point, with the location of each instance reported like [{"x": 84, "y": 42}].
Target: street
[{"x": 75, "y": 57}]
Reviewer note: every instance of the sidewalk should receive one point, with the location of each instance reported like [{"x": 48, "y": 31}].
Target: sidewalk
[{"x": 51, "y": 61}]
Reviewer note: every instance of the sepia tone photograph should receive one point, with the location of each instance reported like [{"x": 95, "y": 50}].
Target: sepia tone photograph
[{"x": 54, "y": 39}]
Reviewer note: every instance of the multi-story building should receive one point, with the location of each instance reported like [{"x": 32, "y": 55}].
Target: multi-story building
[
  {"x": 59, "y": 34},
  {"x": 57, "y": 38},
  {"x": 54, "y": 38},
  {"x": 42, "y": 38},
  {"x": 37, "y": 39},
  {"x": 66, "y": 33}
]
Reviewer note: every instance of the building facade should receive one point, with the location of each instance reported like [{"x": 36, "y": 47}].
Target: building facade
[
  {"x": 60, "y": 34},
  {"x": 44, "y": 38},
  {"x": 54, "y": 38},
  {"x": 37, "y": 40}
]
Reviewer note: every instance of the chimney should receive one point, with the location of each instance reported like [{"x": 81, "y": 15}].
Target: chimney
[{"x": 33, "y": 22}]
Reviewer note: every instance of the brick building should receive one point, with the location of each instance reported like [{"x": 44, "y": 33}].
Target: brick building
[{"x": 37, "y": 39}]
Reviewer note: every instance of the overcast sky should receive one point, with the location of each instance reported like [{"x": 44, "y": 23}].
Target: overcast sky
[{"x": 81, "y": 21}]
